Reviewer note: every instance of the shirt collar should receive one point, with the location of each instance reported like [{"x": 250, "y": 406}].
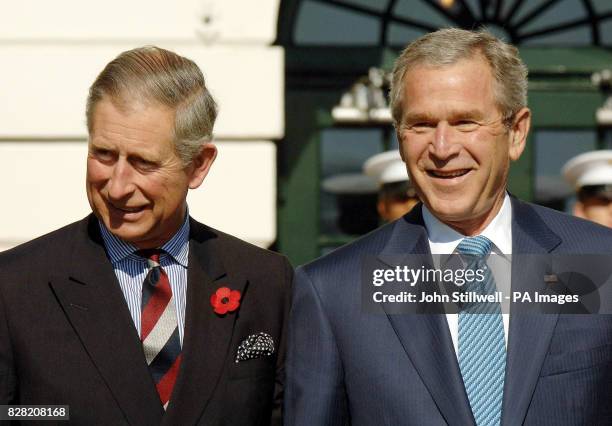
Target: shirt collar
[
  {"x": 444, "y": 240},
  {"x": 177, "y": 246}
]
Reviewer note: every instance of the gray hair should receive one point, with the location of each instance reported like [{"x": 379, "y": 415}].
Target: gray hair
[
  {"x": 446, "y": 47},
  {"x": 152, "y": 74}
]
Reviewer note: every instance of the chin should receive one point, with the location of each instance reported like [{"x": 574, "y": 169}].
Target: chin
[
  {"x": 130, "y": 234},
  {"x": 450, "y": 209}
]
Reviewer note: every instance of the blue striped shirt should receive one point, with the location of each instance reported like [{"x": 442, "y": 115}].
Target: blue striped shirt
[{"x": 132, "y": 269}]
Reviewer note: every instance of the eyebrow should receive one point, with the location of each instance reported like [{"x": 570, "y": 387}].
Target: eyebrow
[
  {"x": 98, "y": 145},
  {"x": 453, "y": 115},
  {"x": 141, "y": 157}
]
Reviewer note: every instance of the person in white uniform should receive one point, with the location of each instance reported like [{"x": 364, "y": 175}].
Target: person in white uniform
[{"x": 590, "y": 174}]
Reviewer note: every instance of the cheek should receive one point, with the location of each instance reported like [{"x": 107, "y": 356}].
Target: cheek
[
  {"x": 159, "y": 189},
  {"x": 160, "y": 184},
  {"x": 413, "y": 151},
  {"x": 494, "y": 156},
  {"x": 596, "y": 211},
  {"x": 96, "y": 172}
]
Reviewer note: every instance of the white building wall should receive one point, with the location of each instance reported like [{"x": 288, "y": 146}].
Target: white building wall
[
  {"x": 52, "y": 51},
  {"x": 238, "y": 22}
]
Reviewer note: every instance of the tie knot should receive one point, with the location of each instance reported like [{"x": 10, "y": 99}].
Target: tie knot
[
  {"x": 477, "y": 246},
  {"x": 152, "y": 256}
]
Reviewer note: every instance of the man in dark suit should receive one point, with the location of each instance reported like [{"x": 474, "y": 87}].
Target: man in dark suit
[
  {"x": 458, "y": 100},
  {"x": 138, "y": 314}
]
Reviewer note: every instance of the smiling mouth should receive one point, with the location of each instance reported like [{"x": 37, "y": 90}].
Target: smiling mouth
[
  {"x": 127, "y": 209},
  {"x": 447, "y": 175}
]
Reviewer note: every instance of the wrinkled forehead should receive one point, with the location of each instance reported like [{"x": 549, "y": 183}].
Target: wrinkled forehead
[
  {"x": 128, "y": 104},
  {"x": 472, "y": 74}
]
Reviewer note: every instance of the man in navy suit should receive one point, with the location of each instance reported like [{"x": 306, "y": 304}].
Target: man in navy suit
[{"x": 459, "y": 105}]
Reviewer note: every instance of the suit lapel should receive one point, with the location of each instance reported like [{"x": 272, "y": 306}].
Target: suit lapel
[
  {"x": 425, "y": 337},
  {"x": 207, "y": 335},
  {"x": 94, "y": 304},
  {"x": 529, "y": 334}
]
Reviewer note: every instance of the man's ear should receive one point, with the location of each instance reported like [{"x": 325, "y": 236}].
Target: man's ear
[
  {"x": 201, "y": 164},
  {"x": 381, "y": 208},
  {"x": 518, "y": 133}
]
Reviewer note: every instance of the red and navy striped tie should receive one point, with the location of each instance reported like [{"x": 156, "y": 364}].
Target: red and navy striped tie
[{"x": 159, "y": 327}]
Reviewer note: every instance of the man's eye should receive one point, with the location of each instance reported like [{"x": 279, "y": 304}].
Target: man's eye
[
  {"x": 103, "y": 154},
  {"x": 421, "y": 127},
  {"x": 143, "y": 164},
  {"x": 466, "y": 125}
]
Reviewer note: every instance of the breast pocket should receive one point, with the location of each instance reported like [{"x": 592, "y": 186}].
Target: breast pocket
[
  {"x": 253, "y": 368},
  {"x": 566, "y": 362}
]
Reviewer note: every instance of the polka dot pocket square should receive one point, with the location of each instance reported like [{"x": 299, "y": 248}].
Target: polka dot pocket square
[{"x": 255, "y": 346}]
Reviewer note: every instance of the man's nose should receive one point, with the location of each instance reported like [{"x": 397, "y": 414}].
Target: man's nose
[
  {"x": 444, "y": 144},
  {"x": 121, "y": 182}
]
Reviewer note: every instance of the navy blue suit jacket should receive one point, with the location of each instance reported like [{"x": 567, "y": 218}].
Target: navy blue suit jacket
[{"x": 346, "y": 366}]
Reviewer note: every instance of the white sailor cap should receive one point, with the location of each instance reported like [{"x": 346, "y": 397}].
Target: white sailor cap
[
  {"x": 589, "y": 169},
  {"x": 386, "y": 167},
  {"x": 349, "y": 184}
]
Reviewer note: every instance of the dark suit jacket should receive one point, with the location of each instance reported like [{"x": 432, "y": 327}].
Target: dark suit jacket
[
  {"x": 67, "y": 337},
  {"x": 345, "y": 365}
]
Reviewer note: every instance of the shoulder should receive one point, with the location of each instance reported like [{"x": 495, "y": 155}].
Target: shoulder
[
  {"x": 53, "y": 246},
  {"x": 228, "y": 244},
  {"x": 348, "y": 258},
  {"x": 575, "y": 233},
  {"x": 233, "y": 250}
]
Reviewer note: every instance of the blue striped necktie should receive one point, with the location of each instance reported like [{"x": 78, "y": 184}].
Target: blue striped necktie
[{"x": 482, "y": 351}]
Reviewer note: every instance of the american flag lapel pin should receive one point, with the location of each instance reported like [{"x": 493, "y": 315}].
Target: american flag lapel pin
[{"x": 551, "y": 278}]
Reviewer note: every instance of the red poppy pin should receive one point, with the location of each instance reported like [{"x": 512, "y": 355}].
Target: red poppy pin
[{"x": 225, "y": 300}]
